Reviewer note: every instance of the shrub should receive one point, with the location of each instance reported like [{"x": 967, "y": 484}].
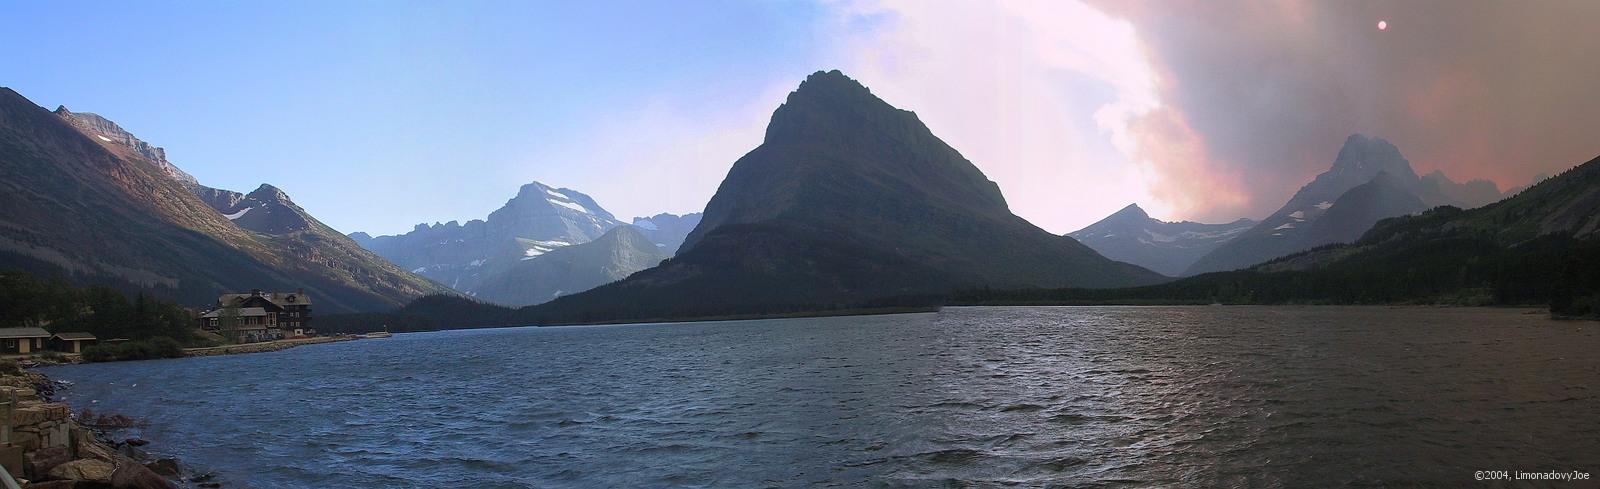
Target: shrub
[
  {"x": 158, "y": 347},
  {"x": 10, "y": 367}
]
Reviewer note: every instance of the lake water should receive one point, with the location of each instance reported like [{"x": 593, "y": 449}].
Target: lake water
[{"x": 1112, "y": 396}]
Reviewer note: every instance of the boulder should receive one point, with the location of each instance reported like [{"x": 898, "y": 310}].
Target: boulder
[
  {"x": 135, "y": 476},
  {"x": 52, "y": 485},
  {"x": 40, "y": 462},
  {"x": 133, "y": 453},
  {"x": 85, "y": 446},
  {"x": 165, "y": 467},
  {"x": 84, "y": 469},
  {"x": 138, "y": 442}
]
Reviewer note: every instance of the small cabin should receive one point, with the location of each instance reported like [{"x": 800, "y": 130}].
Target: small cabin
[
  {"x": 22, "y": 340},
  {"x": 71, "y": 341}
]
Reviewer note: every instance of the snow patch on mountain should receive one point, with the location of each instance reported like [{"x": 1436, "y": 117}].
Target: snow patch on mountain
[{"x": 572, "y": 205}]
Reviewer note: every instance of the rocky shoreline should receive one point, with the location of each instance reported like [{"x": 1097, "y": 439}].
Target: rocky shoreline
[
  {"x": 262, "y": 347},
  {"x": 51, "y": 447}
]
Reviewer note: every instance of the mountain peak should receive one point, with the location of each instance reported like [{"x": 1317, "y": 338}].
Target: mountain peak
[
  {"x": 1132, "y": 211},
  {"x": 1365, "y": 155},
  {"x": 268, "y": 193},
  {"x": 831, "y": 82},
  {"x": 533, "y": 187},
  {"x": 96, "y": 126}
]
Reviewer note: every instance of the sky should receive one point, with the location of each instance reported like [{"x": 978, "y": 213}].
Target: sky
[{"x": 378, "y": 115}]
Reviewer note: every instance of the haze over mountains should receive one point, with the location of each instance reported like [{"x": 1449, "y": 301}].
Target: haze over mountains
[
  {"x": 848, "y": 203},
  {"x": 507, "y": 258},
  {"x": 1130, "y": 235},
  {"x": 86, "y": 199},
  {"x": 1538, "y": 247},
  {"x": 847, "y": 200},
  {"x": 1369, "y": 180}
]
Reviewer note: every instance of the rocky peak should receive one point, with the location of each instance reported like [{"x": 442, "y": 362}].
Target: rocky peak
[
  {"x": 267, "y": 193},
  {"x": 1130, "y": 213},
  {"x": 108, "y": 131},
  {"x": 831, "y": 107},
  {"x": 1366, "y": 156}
]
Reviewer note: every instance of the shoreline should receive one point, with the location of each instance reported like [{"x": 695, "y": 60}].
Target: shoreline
[
  {"x": 52, "y": 447},
  {"x": 263, "y": 346},
  {"x": 61, "y": 448},
  {"x": 1527, "y": 308}
]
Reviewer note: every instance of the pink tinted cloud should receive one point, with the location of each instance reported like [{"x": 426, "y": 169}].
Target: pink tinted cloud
[{"x": 1478, "y": 89}]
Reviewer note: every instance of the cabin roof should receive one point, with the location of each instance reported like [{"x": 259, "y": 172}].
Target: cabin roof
[
  {"x": 243, "y": 312},
  {"x": 24, "y": 333},
  {"x": 74, "y": 335},
  {"x": 279, "y": 298}
]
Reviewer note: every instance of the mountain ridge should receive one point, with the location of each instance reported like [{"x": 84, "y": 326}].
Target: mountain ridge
[
  {"x": 1131, "y": 235},
  {"x": 846, "y": 201},
  {"x": 93, "y": 206}
]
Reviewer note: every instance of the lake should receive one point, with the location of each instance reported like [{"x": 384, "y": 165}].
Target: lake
[{"x": 1095, "y": 396}]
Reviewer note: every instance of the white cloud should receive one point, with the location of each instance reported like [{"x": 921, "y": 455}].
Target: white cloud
[{"x": 1041, "y": 95}]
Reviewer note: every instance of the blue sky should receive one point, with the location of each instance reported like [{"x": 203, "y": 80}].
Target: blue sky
[
  {"x": 379, "y": 115},
  {"x": 376, "y": 116}
]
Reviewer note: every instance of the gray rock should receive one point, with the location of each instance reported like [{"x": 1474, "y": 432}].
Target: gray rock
[
  {"x": 165, "y": 467},
  {"x": 135, "y": 476},
  {"x": 85, "y": 469}
]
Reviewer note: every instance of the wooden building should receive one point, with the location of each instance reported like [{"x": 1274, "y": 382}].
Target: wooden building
[
  {"x": 71, "y": 341},
  {"x": 22, "y": 340},
  {"x": 261, "y": 316},
  {"x": 293, "y": 308},
  {"x": 246, "y": 324}
]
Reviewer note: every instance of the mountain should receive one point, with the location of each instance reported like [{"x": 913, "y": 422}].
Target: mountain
[
  {"x": 1130, "y": 235},
  {"x": 106, "y": 131},
  {"x": 537, "y": 220},
  {"x": 266, "y": 210},
  {"x": 1295, "y": 226},
  {"x": 1540, "y": 246},
  {"x": 84, "y": 198},
  {"x": 1355, "y": 212},
  {"x": 667, "y": 231},
  {"x": 1438, "y": 189},
  {"x": 847, "y": 201},
  {"x": 571, "y": 269}
]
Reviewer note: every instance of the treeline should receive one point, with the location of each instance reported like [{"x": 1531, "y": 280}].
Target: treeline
[
  {"x": 584, "y": 310},
  {"x": 1460, "y": 269},
  {"x": 427, "y": 313},
  {"x": 59, "y": 306}
]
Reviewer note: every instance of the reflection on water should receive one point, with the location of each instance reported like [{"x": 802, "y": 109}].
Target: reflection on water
[{"x": 1181, "y": 396}]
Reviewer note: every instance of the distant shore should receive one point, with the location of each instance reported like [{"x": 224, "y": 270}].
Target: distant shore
[
  {"x": 262, "y": 347},
  {"x": 874, "y": 311}
]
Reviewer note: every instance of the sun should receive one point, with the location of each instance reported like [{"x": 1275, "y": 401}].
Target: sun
[{"x": 1383, "y": 25}]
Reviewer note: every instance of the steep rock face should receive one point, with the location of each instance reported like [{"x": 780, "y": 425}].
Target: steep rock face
[
  {"x": 667, "y": 231},
  {"x": 537, "y": 220},
  {"x": 1437, "y": 189},
  {"x": 1358, "y": 209},
  {"x": 105, "y": 131},
  {"x": 1286, "y": 231},
  {"x": 847, "y": 200},
  {"x": 102, "y": 211},
  {"x": 568, "y": 270},
  {"x": 1130, "y": 235},
  {"x": 266, "y": 210}
]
